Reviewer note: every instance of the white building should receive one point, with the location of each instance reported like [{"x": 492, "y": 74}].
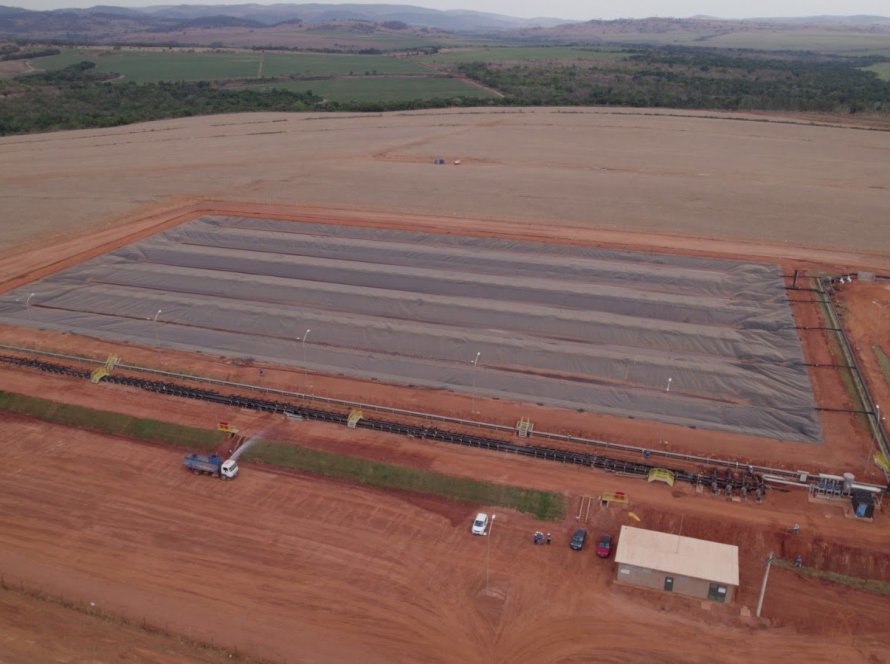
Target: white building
[{"x": 674, "y": 563}]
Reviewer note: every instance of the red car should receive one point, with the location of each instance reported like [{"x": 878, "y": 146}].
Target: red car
[{"x": 604, "y": 546}]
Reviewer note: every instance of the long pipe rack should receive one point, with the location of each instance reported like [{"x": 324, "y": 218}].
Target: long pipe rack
[
  {"x": 720, "y": 482},
  {"x": 432, "y": 417},
  {"x": 745, "y": 481}
]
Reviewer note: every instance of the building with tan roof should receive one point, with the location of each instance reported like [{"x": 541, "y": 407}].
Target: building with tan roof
[{"x": 674, "y": 563}]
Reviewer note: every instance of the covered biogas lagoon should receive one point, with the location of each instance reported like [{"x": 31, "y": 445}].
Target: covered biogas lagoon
[{"x": 696, "y": 341}]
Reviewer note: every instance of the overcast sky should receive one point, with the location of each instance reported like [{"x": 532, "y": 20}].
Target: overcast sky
[{"x": 570, "y": 9}]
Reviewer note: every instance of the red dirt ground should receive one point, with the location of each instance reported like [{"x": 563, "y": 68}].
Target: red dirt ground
[
  {"x": 285, "y": 566},
  {"x": 865, "y": 310},
  {"x": 43, "y": 630}
]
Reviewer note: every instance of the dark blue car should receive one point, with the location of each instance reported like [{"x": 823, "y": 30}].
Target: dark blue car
[{"x": 578, "y": 539}]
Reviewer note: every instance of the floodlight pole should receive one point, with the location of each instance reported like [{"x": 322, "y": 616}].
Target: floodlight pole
[
  {"x": 666, "y": 389},
  {"x": 488, "y": 554},
  {"x": 475, "y": 364},
  {"x": 305, "y": 379},
  {"x": 157, "y": 341},
  {"x": 868, "y": 456}
]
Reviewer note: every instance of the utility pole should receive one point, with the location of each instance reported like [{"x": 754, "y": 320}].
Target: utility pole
[
  {"x": 157, "y": 341},
  {"x": 488, "y": 555},
  {"x": 303, "y": 344},
  {"x": 475, "y": 363},
  {"x": 769, "y": 562},
  {"x": 661, "y": 426}
]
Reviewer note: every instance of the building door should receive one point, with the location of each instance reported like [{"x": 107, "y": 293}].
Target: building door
[
  {"x": 717, "y": 593},
  {"x": 669, "y": 583}
]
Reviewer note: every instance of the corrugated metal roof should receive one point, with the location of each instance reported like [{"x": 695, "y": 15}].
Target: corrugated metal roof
[{"x": 679, "y": 555}]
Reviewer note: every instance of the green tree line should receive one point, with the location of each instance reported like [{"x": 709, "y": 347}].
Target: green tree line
[
  {"x": 695, "y": 78},
  {"x": 78, "y": 97}
]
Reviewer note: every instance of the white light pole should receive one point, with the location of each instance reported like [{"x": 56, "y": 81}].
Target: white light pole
[
  {"x": 868, "y": 456},
  {"x": 666, "y": 389},
  {"x": 157, "y": 341},
  {"x": 488, "y": 555},
  {"x": 769, "y": 562},
  {"x": 475, "y": 364},
  {"x": 303, "y": 344}
]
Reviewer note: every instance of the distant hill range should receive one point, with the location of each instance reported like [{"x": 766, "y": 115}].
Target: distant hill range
[
  {"x": 269, "y": 24},
  {"x": 706, "y": 26},
  {"x": 104, "y": 20}
]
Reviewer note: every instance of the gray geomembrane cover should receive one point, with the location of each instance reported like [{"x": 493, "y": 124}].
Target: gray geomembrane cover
[{"x": 687, "y": 340}]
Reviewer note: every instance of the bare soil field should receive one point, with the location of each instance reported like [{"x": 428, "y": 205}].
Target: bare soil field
[
  {"x": 727, "y": 177},
  {"x": 10, "y": 68},
  {"x": 292, "y": 568},
  {"x": 284, "y": 566},
  {"x": 47, "y": 629}
]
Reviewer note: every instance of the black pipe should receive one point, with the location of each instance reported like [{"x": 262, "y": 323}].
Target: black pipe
[{"x": 389, "y": 426}]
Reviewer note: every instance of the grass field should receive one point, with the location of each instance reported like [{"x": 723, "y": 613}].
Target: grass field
[
  {"x": 874, "y": 585},
  {"x": 311, "y": 64},
  {"x": 107, "y": 422},
  {"x": 543, "y": 504},
  {"x": 854, "y": 43},
  {"x": 525, "y": 53},
  {"x": 882, "y": 69},
  {"x": 144, "y": 66},
  {"x": 883, "y": 362},
  {"x": 382, "y": 40},
  {"x": 364, "y": 75},
  {"x": 384, "y": 89}
]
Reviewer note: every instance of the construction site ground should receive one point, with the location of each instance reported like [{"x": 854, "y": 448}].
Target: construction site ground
[
  {"x": 278, "y": 565},
  {"x": 287, "y": 567}
]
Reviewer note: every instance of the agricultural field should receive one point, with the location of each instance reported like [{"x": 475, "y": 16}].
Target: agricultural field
[
  {"x": 382, "y": 89},
  {"x": 144, "y": 66},
  {"x": 499, "y": 54},
  {"x": 342, "y": 78},
  {"x": 828, "y": 42},
  {"x": 882, "y": 69},
  {"x": 833, "y": 42}
]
